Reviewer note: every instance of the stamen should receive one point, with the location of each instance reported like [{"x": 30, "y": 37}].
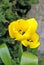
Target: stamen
[
  {"x": 29, "y": 40},
  {"x": 21, "y": 32}
]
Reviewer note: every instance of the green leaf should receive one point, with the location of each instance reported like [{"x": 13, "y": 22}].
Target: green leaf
[
  {"x": 4, "y": 55},
  {"x": 10, "y": 15},
  {"x": 21, "y": 2},
  {"x": 32, "y": 50},
  {"x": 29, "y": 59},
  {"x": 42, "y": 63},
  {"x": 2, "y": 29},
  {"x": 2, "y": 15},
  {"x": 20, "y": 50},
  {"x": 16, "y": 52},
  {"x": 27, "y": 2},
  {"x": 8, "y": 40},
  {"x": 30, "y": 2},
  {"x": 5, "y": 3}
]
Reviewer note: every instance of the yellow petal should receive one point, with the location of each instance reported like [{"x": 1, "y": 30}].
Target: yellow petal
[
  {"x": 27, "y": 35},
  {"x": 32, "y": 25},
  {"x": 15, "y": 25},
  {"x": 17, "y": 35},
  {"x": 25, "y": 43},
  {"x": 23, "y": 24},
  {"x": 35, "y": 37},
  {"x": 34, "y": 44},
  {"x": 10, "y": 29},
  {"x": 13, "y": 30}
]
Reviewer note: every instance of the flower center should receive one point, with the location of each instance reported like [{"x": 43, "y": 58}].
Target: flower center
[
  {"x": 29, "y": 40},
  {"x": 21, "y": 32}
]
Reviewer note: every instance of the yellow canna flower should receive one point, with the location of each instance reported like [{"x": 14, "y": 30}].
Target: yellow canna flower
[
  {"x": 22, "y": 29},
  {"x": 32, "y": 27},
  {"x": 32, "y": 42},
  {"x": 17, "y": 29}
]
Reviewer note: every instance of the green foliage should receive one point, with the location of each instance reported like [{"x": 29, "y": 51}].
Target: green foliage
[
  {"x": 29, "y": 59},
  {"x": 42, "y": 63},
  {"x": 11, "y": 10},
  {"x": 7, "y": 40},
  {"x": 2, "y": 29},
  {"x": 27, "y": 2},
  {"x": 4, "y": 55},
  {"x": 16, "y": 52},
  {"x": 32, "y": 50}
]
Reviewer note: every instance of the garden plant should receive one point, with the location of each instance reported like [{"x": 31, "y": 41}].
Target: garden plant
[{"x": 19, "y": 39}]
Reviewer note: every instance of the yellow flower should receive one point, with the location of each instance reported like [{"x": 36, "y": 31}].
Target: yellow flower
[
  {"x": 32, "y": 42},
  {"x": 22, "y": 29},
  {"x": 17, "y": 29},
  {"x": 31, "y": 29}
]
